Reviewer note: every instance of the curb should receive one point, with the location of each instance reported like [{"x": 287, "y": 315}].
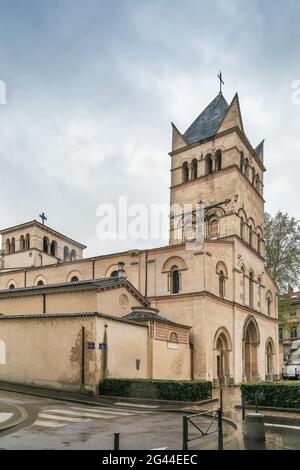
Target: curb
[{"x": 107, "y": 401}]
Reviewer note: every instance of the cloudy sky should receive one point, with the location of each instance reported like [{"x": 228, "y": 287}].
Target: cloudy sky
[{"x": 92, "y": 87}]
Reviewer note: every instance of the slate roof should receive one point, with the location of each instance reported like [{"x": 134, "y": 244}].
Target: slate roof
[
  {"x": 208, "y": 122},
  {"x": 259, "y": 148},
  {"x": 137, "y": 315}
]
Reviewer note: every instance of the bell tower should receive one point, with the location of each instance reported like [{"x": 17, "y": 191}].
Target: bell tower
[{"x": 213, "y": 162}]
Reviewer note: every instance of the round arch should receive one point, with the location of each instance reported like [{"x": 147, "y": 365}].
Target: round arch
[
  {"x": 10, "y": 283},
  {"x": 270, "y": 358},
  {"x": 222, "y": 346},
  {"x": 39, "y": 280},
  {"x": 173, "y": 261},
  {"x": 251, "y": 341},
  {"x": 74, "y": 274}
]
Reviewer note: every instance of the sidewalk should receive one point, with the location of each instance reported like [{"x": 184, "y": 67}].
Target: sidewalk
[{"x": 159, "y": 405}]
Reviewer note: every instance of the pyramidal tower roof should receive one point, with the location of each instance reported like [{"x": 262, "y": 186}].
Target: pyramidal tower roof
[{"x": 208, "y": 122}]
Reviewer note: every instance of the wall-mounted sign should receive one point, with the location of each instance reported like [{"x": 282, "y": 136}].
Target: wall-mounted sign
[
  {"x": 102, "y": 346},
  {"x": 91, "y": 345}
]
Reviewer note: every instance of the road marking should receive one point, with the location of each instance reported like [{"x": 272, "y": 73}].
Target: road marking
[
  {"x": 282, "y": 426},
  {"x": 5, "y": 416},
  {"x": 139, "y": 406},
  {"x": 79, "y": 414},
  {"x": 48, "y": 424},
  {"x": 61, "y": 418},
  {"x": 110, "y": 410}
]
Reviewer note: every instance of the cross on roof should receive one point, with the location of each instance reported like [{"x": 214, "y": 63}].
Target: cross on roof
[
  {"x": 220, "y": 77},
  {"x": 43, "y": 217}
]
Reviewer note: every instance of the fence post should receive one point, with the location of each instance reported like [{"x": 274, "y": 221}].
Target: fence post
[
  {"x": 220, "y": 429},
  {"x": 256, "y": 403},
  {"x": 116, "y": 441},
  {"x": 243, "y": 407},
  {"x": 185, "y": 433},
  {"x": 221, "y": 398}
]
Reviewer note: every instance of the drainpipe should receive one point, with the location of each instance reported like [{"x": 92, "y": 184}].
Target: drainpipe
[
  {"x": 82, "y": 378},
  {"x": 146, "y": 273}
]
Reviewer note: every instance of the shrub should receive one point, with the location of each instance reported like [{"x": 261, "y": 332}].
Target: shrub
[
  {"x": 277, "y": 394},
  {"x": 157, "y": 389}
]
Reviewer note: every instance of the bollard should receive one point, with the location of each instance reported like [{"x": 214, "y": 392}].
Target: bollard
[
  {"x": 254, "y": 427},
  {"x": 220, "y": 429},
  {"x": 185, "y": 433},
  {"x": 117, "y": 441}
]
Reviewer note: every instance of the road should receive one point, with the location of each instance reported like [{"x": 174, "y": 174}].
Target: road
[{"x": 55, "y": 424}]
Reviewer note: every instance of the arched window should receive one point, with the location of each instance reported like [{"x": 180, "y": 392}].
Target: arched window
[
  {"x": 194, "y": 169},
  {"x": 66, "y": 253},
  {"x": 251, "y": 290},
  {"x": 253, "y": 176},
  {"x": 258, "y": 243},
  {"x": 247, "y": 167},
  {"x": 12, "y": 286},
  {"x": 22, "y": 242},
  {"x": 13, "y": 245},
  {"x": 114, "y": 274},
  {"x": 257, "y": 182},
  {"x": 46, "y": 245},
  {"x": 242, "y": 228},
  {"x": 73, "y": 255},
  {"x": 293, "y": 332},
  {"x": 40, "y": 283},
  {"x": 243, "y": 284},
  {"x": 74, "y": 279},
  {"x": 174, "y": 280},
  {"x": 185, "y": 172},
  {"x": 173, "y": 338},
  {"x": 218, "y": 160},
  {"x": 27, "y": 242},
  {"x": 250, "y": 235},
  {"x": 208, "y": 165},
  {"x": 242, "y": 161},
  {"x": 221, "y": 284},
  {"x": 269, "y": 304},
  {"x": 7, "y": 246},
  {"x": 259, "y": 292},
  {"x": 213, "y": 228},
  {"x": 53, "y": 248}
]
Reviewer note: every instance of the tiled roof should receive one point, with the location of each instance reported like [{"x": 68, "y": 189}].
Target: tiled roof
[
  {"x": 93, "y": 283},
  {"x": 208, "y": 122},
  {"x": 35, "y": 316},
  {"x": 259, "y": 148}
]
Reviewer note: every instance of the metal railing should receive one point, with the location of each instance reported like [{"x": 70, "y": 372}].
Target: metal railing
[{"x": 215, "y": 416}]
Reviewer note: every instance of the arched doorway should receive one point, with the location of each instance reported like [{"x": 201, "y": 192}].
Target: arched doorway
[
  {"x": 222, "y": 347},
  {"x": 250, "y": 343},
  {"x": 270, "y": 352}
]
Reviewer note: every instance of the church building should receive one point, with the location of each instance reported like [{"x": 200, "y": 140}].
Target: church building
[{"x": 170, "y": 312}]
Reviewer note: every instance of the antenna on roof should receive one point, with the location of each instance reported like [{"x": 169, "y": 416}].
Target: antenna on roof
[{"x": 220, "y": 77}]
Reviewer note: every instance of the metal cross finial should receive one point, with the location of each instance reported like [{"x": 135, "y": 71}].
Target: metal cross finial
[
  {"x": 43, "y": 217},
  {"x": 220, "y": 77}
]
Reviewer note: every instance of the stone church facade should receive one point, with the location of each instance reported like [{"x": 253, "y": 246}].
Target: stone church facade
[{"x": 220, "y": 292}]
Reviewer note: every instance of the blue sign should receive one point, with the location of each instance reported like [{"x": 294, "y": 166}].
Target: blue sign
[
  {"x": 102, "y": 346},
  {"x": 91, "y": 345}
]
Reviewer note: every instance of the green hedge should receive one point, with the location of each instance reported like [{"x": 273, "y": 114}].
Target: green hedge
[
  {"x": 277, "y": 394},
  {"x": 157, "y": 389}
]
